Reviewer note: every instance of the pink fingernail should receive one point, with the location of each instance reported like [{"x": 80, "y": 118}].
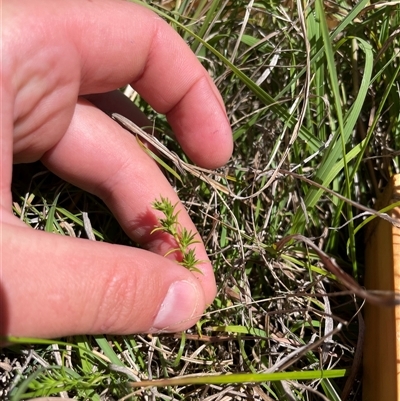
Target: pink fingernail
[{"x": 179, "y": 305}]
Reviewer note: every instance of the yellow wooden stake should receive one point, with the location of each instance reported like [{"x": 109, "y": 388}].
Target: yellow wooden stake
[{"x": 382, "y": 324}]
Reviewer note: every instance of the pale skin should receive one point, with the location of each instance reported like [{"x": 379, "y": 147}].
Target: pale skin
[{"x": 53, "y": 52}]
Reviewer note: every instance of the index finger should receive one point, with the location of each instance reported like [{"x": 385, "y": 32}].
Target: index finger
[{"x": 120, "y": 42}]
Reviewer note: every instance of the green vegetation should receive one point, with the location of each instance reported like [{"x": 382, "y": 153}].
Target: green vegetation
[
  {"x": 312, "y": 92},
  {"x": 183, "y": 238}
]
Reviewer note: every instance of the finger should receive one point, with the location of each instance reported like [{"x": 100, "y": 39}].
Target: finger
[
  {"x": 114, "y": 43},
  {"x": 80, "y": 286},
  {"x": 107, "y": 161}
]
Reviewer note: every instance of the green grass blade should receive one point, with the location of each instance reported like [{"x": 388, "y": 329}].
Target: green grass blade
[
  {"x": 330, "y": 167},
  {"x": 50, "y": 220},
  {"x": 244, "y": 378},
  {"x": 108, "y": 351},
  {"x": 159, "y": 160},
  {"x": 77, "y": 221}
]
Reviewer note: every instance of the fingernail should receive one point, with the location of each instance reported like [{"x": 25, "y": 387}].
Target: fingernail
[{"x": 179, "y": 305}]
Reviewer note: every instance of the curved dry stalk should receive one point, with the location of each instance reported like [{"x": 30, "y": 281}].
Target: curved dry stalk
[
  {"x": 381, "y": 298},
  {"x": 179, "y": 163}
]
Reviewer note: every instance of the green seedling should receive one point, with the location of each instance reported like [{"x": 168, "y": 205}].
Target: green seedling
[{"x": 184, "y": 238}]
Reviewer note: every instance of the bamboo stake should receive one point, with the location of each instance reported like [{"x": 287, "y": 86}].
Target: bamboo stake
[{"x": 382, "y": 324}]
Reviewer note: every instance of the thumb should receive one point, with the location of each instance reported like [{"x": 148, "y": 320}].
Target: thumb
[{"x": 74, "y": 286}]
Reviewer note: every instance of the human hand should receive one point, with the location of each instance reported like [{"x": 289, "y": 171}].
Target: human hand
[{"x": 53, "y": 52}]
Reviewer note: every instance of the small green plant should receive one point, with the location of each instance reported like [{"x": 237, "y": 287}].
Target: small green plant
[{"x": 184, "y": 238}]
